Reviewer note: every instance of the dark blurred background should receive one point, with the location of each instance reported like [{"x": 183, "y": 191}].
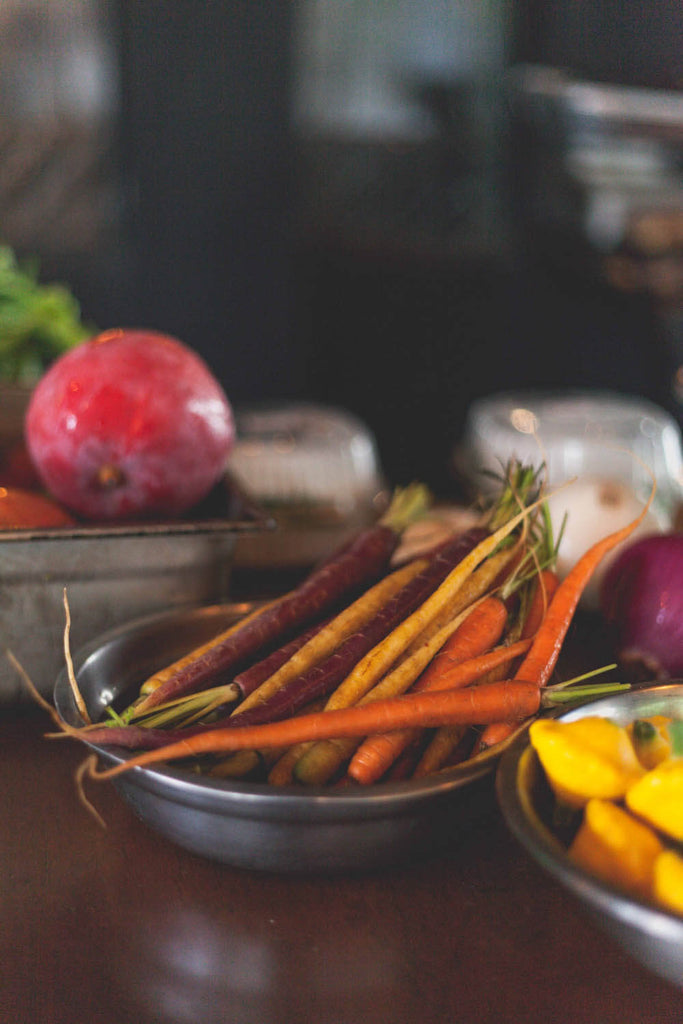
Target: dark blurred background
[{"x": 395, "y": 208}]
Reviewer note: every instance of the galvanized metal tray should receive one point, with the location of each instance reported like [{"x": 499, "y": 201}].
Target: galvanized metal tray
[
  {"x": 111, "y": 574},
  {"x": 254, "y": 825}
]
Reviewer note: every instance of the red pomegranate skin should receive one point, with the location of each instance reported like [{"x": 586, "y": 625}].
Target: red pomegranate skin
[{"x": 131, "y": 424}]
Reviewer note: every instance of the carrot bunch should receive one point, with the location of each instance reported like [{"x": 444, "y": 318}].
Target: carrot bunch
[{"x": 423, "y": 668}]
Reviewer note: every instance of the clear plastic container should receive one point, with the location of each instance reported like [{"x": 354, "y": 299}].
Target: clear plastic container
[
  {"x": 315, "y": 469},
  {"x": 306, "y": 457},
  {"x": 601, "y": 450}
]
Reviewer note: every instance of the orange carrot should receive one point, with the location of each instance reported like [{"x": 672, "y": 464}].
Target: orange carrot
[
  {"x": 539, "y": 664},
  {"x": 490, "y": 702},
  {"x": 493, "y": 734},
  {"x": 546, "y": 585},
  {"x": 482, "y": 628},
  {"x": 375, "y": 755}
]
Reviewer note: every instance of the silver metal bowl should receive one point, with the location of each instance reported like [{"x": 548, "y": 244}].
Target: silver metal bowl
[
  {"x": 652, "y": 936},
  {"x": 249, "y": 824}
]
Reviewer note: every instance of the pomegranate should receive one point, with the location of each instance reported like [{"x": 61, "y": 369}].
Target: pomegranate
[{"x": 130, "y": 424}]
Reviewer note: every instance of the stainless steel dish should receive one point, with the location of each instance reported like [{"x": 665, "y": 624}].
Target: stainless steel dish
[
  {"x": 252, "y": 825},
  {"x": 652, "y": 936},
  {"x": 112, "y": 574}
]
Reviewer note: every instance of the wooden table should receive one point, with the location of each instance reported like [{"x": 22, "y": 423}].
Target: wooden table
[{"x": 118, "y": 926}]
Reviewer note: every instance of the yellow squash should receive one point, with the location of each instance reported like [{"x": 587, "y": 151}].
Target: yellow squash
[
  {"x": 616, "y": 847},
  {"x": 668, "y": 880},
  {"x": 658, "y": 798},
  {"x": 591, "y": 757}
]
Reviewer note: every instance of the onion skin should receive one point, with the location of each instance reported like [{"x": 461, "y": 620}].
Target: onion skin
[{"x": 641, "y": 598}]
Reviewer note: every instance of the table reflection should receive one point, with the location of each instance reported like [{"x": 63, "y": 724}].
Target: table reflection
[{"x": 182, "y": 964}]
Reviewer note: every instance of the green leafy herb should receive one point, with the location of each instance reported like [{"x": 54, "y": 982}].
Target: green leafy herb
[{"x": 38, "y": 322}]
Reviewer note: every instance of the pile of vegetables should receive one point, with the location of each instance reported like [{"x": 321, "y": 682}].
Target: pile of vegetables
[
  {"x": 366, "y": 672},
  {"x": 619, "y": 795}
]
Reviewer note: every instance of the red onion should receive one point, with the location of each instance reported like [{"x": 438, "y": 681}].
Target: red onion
[{"x": 641, "y": 597}]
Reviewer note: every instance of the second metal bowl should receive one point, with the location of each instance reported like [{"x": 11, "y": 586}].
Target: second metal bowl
[{"x": 652, "y": 936}]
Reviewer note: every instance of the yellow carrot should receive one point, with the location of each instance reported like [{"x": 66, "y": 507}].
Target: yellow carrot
[
  {"x": 282, "y": 772},
  {"x": 478, "y": 586},
  {"x": 439, "y": 749}
]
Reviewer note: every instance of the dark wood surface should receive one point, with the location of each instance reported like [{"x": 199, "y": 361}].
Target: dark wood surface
[{"x": 118, "y": 926}]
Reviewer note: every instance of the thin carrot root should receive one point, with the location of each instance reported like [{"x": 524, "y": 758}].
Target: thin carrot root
[
  {"x": 73, "y": 682},
  {"x": 31, "y": 687},
  {"x": 86, "y": 770}
]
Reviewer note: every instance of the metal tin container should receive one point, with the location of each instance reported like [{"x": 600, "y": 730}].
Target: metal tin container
[{"x": 110, "y": 575}]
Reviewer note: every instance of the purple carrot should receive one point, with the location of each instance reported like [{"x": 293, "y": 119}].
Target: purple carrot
[
  {"x": 252, "y": 677},
  {"x": 358, "y": 562},
  {"x": 137, "y": 737}
]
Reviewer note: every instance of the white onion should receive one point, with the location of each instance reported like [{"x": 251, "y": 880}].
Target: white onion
[{"x": 595, "y": 507}]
